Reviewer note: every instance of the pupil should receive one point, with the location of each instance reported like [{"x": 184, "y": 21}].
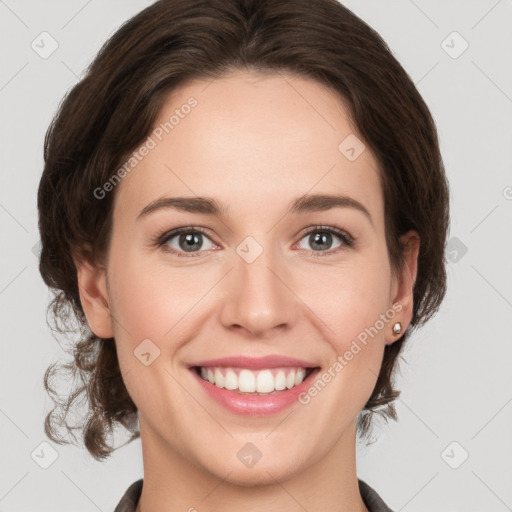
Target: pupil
[
  {"x": 319, "y": 238},
  {"x": 190, "y": 241}
]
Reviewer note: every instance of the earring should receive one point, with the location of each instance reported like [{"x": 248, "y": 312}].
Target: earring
[{"x": 397, "y": 328}]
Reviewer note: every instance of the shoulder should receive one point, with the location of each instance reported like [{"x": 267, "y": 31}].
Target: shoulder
[
  {"x": 128, "y": 502},
  {"x": 372, "y": 500}
]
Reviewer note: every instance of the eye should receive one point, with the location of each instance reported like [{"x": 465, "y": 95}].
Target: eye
[
  {"x": 185, "y": 241},
  {"x": 321, "y": 240},
  {"x": 189, "y": 241}
]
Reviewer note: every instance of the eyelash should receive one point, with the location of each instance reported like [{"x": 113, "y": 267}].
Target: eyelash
[{"x": 348, "y": 241}]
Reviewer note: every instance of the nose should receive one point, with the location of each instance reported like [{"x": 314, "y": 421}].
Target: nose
[{"x": 258, "y": 296}]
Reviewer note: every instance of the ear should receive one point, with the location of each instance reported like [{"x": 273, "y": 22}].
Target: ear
[
  {"x": 403, "y": 285},
  {"x": 92, "y": 287}
]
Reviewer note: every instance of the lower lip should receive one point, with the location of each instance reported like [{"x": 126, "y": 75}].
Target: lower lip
[{"x": 256, "y": 405}]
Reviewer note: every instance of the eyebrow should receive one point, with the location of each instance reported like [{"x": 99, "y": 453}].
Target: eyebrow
[{"x": 209, "y": 206}]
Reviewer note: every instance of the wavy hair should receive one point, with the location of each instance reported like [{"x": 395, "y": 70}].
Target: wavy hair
[{"x": 112, "y": 109}]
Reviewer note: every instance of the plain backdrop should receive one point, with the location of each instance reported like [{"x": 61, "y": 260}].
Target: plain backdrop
[{"x": 451, "y": 449}]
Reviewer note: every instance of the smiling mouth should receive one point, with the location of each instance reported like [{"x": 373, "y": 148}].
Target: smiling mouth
[{"x": 254, "y": 382}]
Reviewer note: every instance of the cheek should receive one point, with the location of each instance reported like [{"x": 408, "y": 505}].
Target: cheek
[
  {"x": 151, "y": 297},
  {"x": 354, "y": 309},
  {"x": 155, "y": 307},
  {"x": 159, "y": 301},
  {"x": 170, "y": 306},
  {"x": 350, "y": 299},
  {"x": 154, "y": 300}
]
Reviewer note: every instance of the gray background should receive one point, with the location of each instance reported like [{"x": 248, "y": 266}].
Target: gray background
[{"x": 455, "y": 375}]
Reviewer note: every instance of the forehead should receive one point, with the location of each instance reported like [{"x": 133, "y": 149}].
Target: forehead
[{"x": 252, "y": 140}]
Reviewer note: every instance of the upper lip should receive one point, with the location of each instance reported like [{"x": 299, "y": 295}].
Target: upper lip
[{"x": 255, "y": 363}]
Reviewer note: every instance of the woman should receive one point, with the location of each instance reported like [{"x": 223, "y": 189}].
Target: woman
[{"x": 191, "y": 180}]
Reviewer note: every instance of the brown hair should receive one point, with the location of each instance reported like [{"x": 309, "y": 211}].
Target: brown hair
[{"x": 113, "y": 108}]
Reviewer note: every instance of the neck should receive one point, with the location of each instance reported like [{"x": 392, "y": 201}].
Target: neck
[{"x": 173, "y": 482}]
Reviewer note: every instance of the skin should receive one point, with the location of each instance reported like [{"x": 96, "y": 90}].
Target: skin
[{"x": 255, "y": 142}]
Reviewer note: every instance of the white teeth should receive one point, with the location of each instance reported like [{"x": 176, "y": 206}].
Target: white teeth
[
  {"x": 299, "y": 377},
  {"x": 264, "y": 382},
  {"x": 290, "y": 379},
  {"x": 280, "y": 382},
  {"x": 219, "y": 378},
  {"x": 249, "y": 381},
  {"x": 246, "y": 382},
  {"x": 231, "y": 380}
]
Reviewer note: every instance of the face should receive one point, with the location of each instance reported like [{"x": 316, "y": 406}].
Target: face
[{"x": 260, "y": 277}]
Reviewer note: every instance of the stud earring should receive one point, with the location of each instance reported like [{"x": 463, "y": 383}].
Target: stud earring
[{"x": 397, "y": 328}]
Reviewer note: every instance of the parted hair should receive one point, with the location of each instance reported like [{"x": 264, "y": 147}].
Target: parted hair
[{"x": 113, "y": 108}]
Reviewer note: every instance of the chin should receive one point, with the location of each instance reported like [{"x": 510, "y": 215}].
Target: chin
[{"x": 267, "y": 470}]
